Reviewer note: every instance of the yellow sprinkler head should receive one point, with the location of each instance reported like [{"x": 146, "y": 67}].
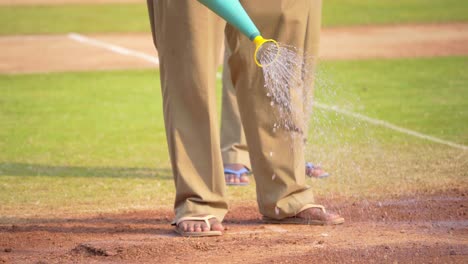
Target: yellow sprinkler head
[{"x": 259, "y": 41}]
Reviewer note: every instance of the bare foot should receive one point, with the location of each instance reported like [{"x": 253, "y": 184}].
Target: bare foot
[
  {"x": 200, "y": 226},
  {"x": 321, "y": 215},
  {"x": 315, "y": 171},
  {"x": 234, "y": 179}
]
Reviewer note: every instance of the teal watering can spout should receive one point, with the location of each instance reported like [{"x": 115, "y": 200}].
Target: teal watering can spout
[{"x": 233, "y": 12}]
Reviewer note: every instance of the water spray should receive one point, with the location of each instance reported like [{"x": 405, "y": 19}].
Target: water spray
[
  {"x": 289, "y": 80},
  {"x": 287, "y": 72}
]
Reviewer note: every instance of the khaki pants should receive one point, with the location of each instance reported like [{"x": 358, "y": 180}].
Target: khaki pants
[
  {"x": 233, "y": 143},
  {"x": 188, "y": 37}
]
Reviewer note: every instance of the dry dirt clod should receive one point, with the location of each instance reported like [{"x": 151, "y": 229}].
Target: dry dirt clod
[{"x": 92, "y": 250}]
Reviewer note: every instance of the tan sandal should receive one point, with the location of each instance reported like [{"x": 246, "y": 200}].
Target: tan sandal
[
  {"x": 304, "y": 221},
  {"x": 197, "y": 234}
]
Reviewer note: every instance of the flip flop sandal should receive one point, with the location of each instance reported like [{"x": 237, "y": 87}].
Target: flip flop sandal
[
  {"x": 197, "y": 234},
  {"x": 238, "y": 174},
  {"x": 305, "y": 221},
  {"x": 312, "y": 167}
]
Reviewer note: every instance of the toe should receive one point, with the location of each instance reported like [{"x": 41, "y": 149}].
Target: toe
[
  {"x": 318, "y": 214},
  {"x": 204, "y": 228},
  {"x": 200, "y": 226},
  {"x": 216, "y": 225},
  {"x": 230, "y": 178},
  {"x": 315, "y": 173},
  {"x": 236, "y": 180},
  {"x": 244, "y": 179},
  {"x": 313, "y": 214},
  {"x": 190, "y": 228}
]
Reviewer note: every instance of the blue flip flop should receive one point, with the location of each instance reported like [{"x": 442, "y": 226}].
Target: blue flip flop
[
  {"x": 238, "y": 174},
  {"x": 311, "y": 166}
]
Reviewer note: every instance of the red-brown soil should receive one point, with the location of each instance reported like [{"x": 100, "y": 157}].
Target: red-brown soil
[
  {"x": 422, "y": 229},
  {"x": 46, "y": 53}
]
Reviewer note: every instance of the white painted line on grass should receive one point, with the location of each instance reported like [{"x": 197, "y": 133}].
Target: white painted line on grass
[
  {"x": 390, "y": 126},
  {"x": 155, "y": 60},
  {"x": 114, "y": 48}
]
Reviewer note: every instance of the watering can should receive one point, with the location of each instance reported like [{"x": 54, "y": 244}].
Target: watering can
[{"x": 233, "y": 12}]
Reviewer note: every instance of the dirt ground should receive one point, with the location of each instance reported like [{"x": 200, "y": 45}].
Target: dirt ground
[
  {"x": 50, "y": 53},
  {"x": 429, "y": 228}
]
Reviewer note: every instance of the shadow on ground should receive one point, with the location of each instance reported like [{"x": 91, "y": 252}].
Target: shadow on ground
[{"x": 27, "y": 169}]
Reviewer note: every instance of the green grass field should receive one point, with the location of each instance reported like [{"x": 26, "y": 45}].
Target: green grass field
[
  {"x": 76, "y": 143},
  {"x": 426, "y": 95},
  {"x": 134, "y": 17}
]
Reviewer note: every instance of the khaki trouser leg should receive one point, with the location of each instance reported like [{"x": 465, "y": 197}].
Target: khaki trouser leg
[
  {"x": 293, "y": 23},
  {"x": 188, "y": 37},
  {"x": 233, "y": 142}
]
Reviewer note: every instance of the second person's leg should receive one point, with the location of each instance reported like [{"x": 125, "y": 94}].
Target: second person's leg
[{"x": 233, "y": 143}]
